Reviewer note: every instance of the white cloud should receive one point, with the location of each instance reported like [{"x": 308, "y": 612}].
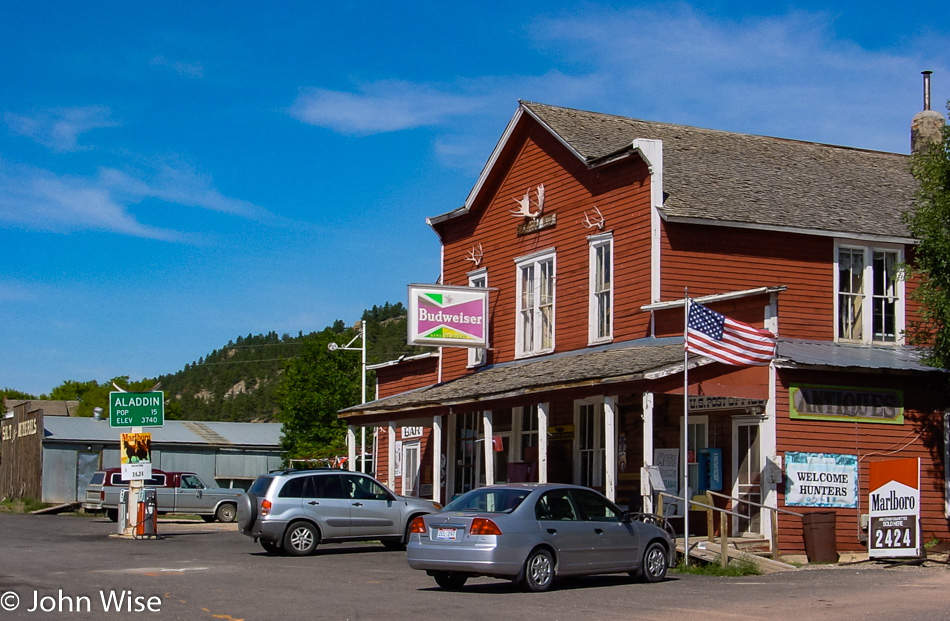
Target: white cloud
[
  {"x": 180, "y": 184},
  {"x": 38, "y": 199},
  {"x": 59, "y": 128},
  {"x": 384, "y": 106},
  {"x": 185, "y": 69},
  {"x": 784, "y": 75}
]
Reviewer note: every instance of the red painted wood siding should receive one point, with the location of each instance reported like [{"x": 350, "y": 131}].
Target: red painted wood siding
[
  {"x": 620, "y": 191},
  {"x": 398, "y": 378},
  {"x": 919, "y": 436}
]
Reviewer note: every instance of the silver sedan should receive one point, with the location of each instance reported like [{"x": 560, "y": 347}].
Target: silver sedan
[{"x": 532, "y": 533}]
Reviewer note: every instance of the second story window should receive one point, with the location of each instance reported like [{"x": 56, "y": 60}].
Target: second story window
[
  {"x": 476, "y": 355},
  {"x": 869, "y": 295},
  {"x": 535, "y": 304},
  {"x": 601, "y": 288}
]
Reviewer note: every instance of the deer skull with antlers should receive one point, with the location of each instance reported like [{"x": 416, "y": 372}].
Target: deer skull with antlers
[
  {"x": 525, "y": 204},
  {"x": 475, "y": 255},
  {"x": 596, "y": 222}
]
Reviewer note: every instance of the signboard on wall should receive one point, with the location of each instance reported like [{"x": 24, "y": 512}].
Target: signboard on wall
[
  {"x": 821, "y": 480},
  {"x": 135, "y": 456},
  {"x": 839, "y": 403},
  {"x": 448, "y": 316},
  {"x": 894, "y": 508}
]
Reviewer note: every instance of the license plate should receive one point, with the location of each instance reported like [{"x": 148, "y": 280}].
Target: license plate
[{"x": 446, "y": 534}]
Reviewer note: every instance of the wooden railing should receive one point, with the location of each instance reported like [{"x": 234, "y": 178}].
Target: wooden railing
[{"x": 711, "y": 508}]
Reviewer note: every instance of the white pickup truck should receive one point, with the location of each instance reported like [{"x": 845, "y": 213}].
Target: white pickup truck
[{"x": 177, "y": 492}]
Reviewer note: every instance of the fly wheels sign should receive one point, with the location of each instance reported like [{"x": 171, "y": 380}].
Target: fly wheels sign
[
  {"x": 894, "y": 509},
  {"x": 137, "y": 409}
]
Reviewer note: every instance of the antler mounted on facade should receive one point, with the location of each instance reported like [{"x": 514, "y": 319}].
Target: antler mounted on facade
[
  {"x": 525, "y": 204},
  {"x": 596, "y": 221},
  {"x": 475, "y": 255}
]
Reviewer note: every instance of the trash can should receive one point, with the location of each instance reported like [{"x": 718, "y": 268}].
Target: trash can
[{"x": 821, "y": 545}]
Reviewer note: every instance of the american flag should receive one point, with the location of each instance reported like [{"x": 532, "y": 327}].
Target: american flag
[{"x": 712, "y": 334}]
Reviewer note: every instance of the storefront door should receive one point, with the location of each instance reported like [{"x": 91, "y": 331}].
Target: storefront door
[{"x": 747, "y": 466}]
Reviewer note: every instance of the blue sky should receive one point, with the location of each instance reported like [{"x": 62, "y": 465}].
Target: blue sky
[{"x": 176, "y": 174}]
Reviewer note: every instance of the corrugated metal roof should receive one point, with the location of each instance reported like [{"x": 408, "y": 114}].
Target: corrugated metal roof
[
  {"x": 174, "y": 432},
  {"x": 794, "y": 353}
]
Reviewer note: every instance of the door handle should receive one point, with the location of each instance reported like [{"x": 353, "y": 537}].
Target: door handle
[
  {"x": 599, "y": 531},
  {"x": 357, "y": 504},
  {"x": 313, "y": 502},
  {"x": 552, "y": 531}
]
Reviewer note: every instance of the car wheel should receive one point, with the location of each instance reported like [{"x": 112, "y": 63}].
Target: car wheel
[
  {"x": 301, "y": 539},
  {"x": 450, "y": 580},
  {"x": 113, "y": 514},
  {"x": 226, "y": 512},
  {"x": 653, "y": 568},
  {"x": 539, "y": 570},
  {"x": 272, "y": 548}
]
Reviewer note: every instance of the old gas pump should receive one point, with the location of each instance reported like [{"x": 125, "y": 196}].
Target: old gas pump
[{"x": 147, "y": 523}]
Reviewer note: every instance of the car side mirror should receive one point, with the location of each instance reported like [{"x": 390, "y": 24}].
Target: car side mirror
[{"x": 625, "y": 517}]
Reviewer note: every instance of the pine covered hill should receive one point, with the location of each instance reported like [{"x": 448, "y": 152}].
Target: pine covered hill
[{"x": 239, "y": 381}]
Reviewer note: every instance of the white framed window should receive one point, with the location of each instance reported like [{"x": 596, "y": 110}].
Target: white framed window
[
  {"x": 524, "y": 423},
  {"x": 535, "y": 304},
  {"x": 601, "y": 288},
  {"x": 589, "y": 443},
  {"x": 477, "y": 355},
  {"x": 869, "y": 300}
]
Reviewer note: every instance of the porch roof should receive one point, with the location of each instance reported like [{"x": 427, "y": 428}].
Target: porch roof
[
  {"x": 621, "y": 362},
  {"x": 625, "y": 362},
  {"x": 798, "y": 353}
]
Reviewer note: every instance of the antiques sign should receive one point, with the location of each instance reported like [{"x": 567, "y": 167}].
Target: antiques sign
[{"x": 839, "y": 403}]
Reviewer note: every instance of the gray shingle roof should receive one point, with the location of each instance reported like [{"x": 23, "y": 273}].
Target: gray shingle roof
[
  {"x": 623, "y": 362},
  {"x": 753, "y": 180}
]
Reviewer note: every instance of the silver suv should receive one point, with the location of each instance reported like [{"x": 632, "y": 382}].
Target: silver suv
[{"x": 295, "y": 510}]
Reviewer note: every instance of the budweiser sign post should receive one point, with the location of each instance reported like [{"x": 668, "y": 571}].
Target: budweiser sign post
[{"x": 448, "y": 316}]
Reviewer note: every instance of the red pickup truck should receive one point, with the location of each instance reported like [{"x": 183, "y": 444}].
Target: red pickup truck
[{"x": 177, "y": 492}]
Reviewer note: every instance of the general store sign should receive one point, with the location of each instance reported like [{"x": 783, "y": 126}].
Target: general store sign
[
  {"x": 840, "y": 403},
  {"x": 894, "y": 508},
  {"x": 821, "y": 480},
  {"x": 449, "y": 316}
]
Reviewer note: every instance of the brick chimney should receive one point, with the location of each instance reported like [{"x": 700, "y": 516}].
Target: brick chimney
[{"x": 927, "y": 126}]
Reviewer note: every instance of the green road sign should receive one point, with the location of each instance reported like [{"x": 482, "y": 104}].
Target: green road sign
[{"x": 137, "y": 409}]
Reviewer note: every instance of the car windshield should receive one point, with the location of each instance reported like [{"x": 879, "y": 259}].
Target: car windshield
[{"x": 487, "y": 500}]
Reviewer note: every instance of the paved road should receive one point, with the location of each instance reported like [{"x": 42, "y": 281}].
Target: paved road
[{"x": 209, "y": 571}]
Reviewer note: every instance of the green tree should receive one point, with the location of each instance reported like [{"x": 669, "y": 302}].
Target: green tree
[
  {"x": 929, "y": 221},
  {"x": 313, "y": 388}
]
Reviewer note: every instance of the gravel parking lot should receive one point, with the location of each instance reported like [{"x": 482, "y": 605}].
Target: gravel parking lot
[{"x": 210, "y": 571}]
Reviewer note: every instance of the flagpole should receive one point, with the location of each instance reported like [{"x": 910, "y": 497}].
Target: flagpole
[{"x": 685, "y": 427}]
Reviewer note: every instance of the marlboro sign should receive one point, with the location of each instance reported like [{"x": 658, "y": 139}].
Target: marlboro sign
[
  {"x": 894, "y": 508},
  {"x": 448, "y": 316}
]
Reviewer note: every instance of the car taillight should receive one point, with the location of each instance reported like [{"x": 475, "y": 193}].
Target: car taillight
[
  {"x": 102, "y": 495},
  {"x": 484, "y": 526},
  {"x": 265, "y": 507},
  {"x": 418, "y": 525}
]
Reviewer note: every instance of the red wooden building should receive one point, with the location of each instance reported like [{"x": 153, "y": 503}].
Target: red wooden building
[{"x": 588, "y": 229}]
